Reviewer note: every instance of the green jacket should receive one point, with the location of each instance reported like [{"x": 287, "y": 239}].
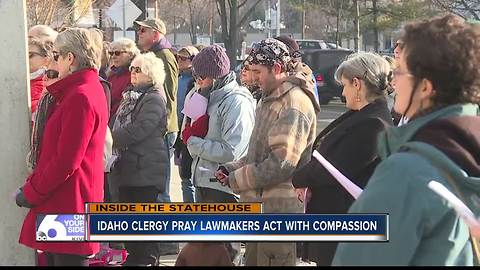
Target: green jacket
[
  {"x": 423, "y": 228},
  {"x": 170, "y": 86}
]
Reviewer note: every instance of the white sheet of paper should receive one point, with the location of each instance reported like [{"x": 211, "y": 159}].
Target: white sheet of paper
[
  {"x": 462, "y": 210},
  {"x": 346, "y": 183},
  {"x": 195, "y": 106}
]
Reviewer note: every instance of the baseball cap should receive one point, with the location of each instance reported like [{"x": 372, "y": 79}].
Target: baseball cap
[{"x": 155, "y": 24}]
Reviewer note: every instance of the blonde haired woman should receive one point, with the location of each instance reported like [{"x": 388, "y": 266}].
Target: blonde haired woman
[
  {"x": 141, "y": 167},
  {"x": 69, "y": 171}
]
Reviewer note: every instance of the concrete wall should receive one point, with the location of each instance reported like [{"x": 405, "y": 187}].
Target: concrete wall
[{"x": 14, "y": 129}]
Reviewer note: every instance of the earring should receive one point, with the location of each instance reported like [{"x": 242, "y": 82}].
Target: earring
[{"x": 357, "y": 99}]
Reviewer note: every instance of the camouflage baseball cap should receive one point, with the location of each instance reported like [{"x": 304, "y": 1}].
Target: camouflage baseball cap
[{"x": 155, "y": 24}]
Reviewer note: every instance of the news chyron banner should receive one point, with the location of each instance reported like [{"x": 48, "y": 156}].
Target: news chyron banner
[{"x": 182, "y": 222}]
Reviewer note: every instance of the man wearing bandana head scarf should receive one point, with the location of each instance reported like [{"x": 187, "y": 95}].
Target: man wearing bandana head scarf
[{"x": 282, "y": 139}]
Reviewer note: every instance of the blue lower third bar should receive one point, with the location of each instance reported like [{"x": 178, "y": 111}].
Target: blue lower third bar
[{"x": 230, "y": 227}]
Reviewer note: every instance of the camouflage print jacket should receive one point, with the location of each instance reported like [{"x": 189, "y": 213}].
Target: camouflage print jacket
[{"x": 282, "y": 138}]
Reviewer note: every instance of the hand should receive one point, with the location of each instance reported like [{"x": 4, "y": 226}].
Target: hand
[
  {"x": 475, "y": 230},
  {"x": 200, "y": 126},
  {"x": 50, "y": 77},
  {"x": 222, "y": 176},
  {"x": 21, "y": 201},
  {"x": 186, "y": 134}
]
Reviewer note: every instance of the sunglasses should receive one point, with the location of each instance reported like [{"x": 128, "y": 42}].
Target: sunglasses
[
  {"x": 399, "y": 45},
  {"x": 143, "y": 29},
  {"x": 183, "y": 58},
  {"x": 32, "y": 54},
  {"x": 197, "y": 78},
  {"x": 135, "y": 69},
  {"x": 51, "y": 74},
  {"x": 116, "y": 53},
  {"x": 55, "y": 55}
]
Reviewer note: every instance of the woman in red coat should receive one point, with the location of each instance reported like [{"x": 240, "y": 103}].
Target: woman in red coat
[
  {"x": 122, "y": 52},
  {"x": 38, "y": 55},
  {"x": 69, "y": 171}
]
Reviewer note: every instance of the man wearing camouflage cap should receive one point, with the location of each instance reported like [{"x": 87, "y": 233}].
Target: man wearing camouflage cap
[
  {"x": 282, "y": 139},
  {"x": 151, "y": 38}
]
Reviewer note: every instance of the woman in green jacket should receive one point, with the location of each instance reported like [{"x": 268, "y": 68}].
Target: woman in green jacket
[{"x": 438, "y": 88}]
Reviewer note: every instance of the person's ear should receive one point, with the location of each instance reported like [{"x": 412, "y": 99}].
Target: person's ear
[
  {"x": 426, "y": 89},
  {"x": 277, "y": 68},
  {"x": 70, "y": 58},
  {"x": 356, "y": 83}
]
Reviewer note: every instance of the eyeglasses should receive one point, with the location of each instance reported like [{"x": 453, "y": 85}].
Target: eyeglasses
[
  {"x": 197, "y": 78},
  {"x": 135, "y": 69},
  {"x": 51, "y": 74},
  {"x": 55, "y": 55},
  {"x": 143, "y": 29},
  {"x": 400, "y": 45},
  {"x": 32, "y": 54},
  {"x": 183, "y": 58},
  {"x": 116, "y": 53}
]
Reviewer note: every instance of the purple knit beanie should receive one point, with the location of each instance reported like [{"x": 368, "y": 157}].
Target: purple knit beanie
[{"x": 211, "y": 61}]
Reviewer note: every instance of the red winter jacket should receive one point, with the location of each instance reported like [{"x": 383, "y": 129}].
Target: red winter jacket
[
  {"x": 36, "y": 90},
  {"x": 69, "y": 172},
  {"x": 120, "y": 80}
]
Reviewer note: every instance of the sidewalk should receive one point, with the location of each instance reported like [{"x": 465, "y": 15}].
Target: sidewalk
[{"x": 176, "y": 196}]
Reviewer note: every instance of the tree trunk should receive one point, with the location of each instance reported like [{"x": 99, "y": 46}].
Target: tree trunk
[{"x": 232, "y": 52}]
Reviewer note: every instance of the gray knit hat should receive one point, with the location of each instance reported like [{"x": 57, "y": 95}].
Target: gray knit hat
[{"x": 212, "y": 62}]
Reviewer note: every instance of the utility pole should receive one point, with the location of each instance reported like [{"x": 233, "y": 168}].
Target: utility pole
[
  {"x": 375, "y": 27},
  {"x": 174, "y": 30},
  {"x": 338, "y": 23},
  {"x": 303, "y": 19},
  {"x": 124, "y": 26},
  {"x": 277, "y": 17},
  {"x": 357, "y": 26},
  {"x": 268, "y": 19},
  {"x": 210, "y": 28}
]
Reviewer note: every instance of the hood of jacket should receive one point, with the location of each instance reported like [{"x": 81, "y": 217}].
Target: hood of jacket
[
  {"x": 160, "y": 45},
  {"x": 453, "y": 131},
  {"x": 301, "y": 77}
]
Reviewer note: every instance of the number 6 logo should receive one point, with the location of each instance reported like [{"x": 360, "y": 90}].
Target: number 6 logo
[{"x": 52, "y": 229}]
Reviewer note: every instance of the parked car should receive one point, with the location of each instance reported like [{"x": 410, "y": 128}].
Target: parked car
[
  {"x": 311, "y": 44},
  {"x": 324, "y": 63}
]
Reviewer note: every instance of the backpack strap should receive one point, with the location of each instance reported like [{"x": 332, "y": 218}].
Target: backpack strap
[{"x": 432, "y": 154}]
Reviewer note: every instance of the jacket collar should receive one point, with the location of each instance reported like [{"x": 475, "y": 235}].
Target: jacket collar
[
  {"x": 301, "y": 77},
  {"x": 61, "y": 88},
  {"x": 393, "y": 138},
  {"x": 119, "y": 70},
  {"x": 160, "y": 45}
]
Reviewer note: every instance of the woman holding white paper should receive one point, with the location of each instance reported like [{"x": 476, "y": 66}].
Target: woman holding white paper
[
  {"x": 348, "y": 143},
  {"x": 437, "y": 81}
]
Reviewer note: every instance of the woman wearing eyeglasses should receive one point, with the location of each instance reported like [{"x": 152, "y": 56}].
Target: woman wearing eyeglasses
[
  {"x": 38, "y": 58},
  {"x": 349, "y": 143},
  {"x": 122, "y": 52},
  {"x": 138, "y": 132},
  {"x": 69, "y": 171},
  {"x": 438, "y": 88}
]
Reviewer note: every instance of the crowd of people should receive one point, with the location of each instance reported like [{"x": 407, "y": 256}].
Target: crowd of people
[{"x": 108, "y": 119}]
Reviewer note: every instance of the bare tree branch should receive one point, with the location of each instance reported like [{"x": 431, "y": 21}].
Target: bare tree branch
[{"x": 247, "y": 14}]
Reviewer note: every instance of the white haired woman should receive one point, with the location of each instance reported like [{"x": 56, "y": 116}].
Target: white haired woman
[
  {"x": 122, "y": 52},
  {"x": 69, "y": 172},
  {"x": 349, "y": 143},
  {"x": 142, "y": 156}
]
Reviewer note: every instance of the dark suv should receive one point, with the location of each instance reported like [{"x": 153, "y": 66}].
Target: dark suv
[{"x": 324, "y": 63}]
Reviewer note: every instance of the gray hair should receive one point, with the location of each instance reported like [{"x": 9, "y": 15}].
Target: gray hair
[
  {"x": 81, "y": 43},
  {"x": 374, "y": 70},
  {"x": 152, "y": 66},
  {"x": 44, "y": 33},
  {"x": 127, "y": 45}
]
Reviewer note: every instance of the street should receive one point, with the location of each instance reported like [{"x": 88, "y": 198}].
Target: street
[{"x": 328, "y": 113}]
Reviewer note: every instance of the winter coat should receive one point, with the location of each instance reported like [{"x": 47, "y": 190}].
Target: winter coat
[
  {"x": 350, "y": 144},
  {"x": 69, "y": 171},
  {"x": 119, "y": 78},
  {"x": 231, "y": 110},
  {"x": 36, "y": 90},
  {"x": 424, "y": 229},
  {"x": 282, "y": 139},
  {"x": 163, "y": 50},
  {"x": 144, "y": 157}
]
